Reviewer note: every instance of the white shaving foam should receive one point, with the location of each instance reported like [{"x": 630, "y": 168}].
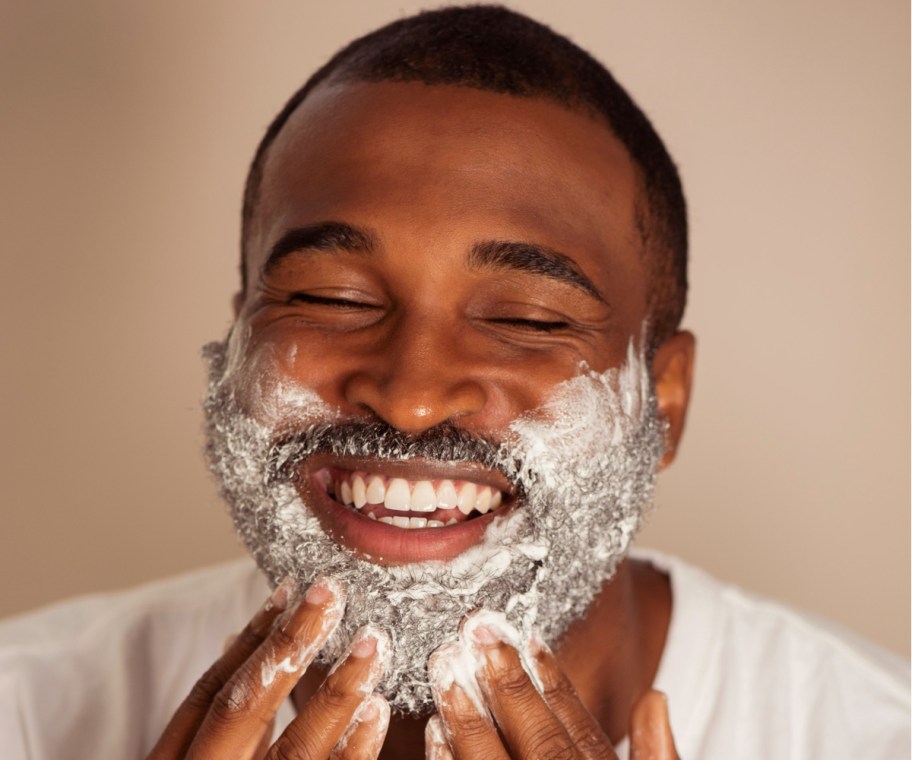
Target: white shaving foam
[
  {"x": 435, "y": 741},
  {"x": 304, "y": 655},
  {"x": 584, "y": 463},
  {"x": 456, "y": 664}
]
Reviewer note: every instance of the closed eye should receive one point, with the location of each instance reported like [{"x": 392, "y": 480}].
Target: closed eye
[
  {"x": 532, "y": 324},
  {"x": 341, "y": 303}
]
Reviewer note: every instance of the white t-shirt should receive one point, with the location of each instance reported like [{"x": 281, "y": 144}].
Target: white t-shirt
[{"x": 99, "y": 677}]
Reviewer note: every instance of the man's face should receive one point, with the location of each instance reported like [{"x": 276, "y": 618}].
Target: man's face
[{"x": 437, "y": 262}]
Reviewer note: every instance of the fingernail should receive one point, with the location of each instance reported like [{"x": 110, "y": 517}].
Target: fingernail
[
  {"x": 282, "y": 594},
  {"x": 486, "y": 628},
  {"x": 365, "y": 643},
  {"x": 451, "y": 670},
  {"x": 229, "y": 640},
  {"x": 485, "y": 636},
  {"x": 322, "y": 590},
  {"x": 368, "y": 711}
]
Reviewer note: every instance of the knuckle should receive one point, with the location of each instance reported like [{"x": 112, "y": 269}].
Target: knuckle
[
  {"x": 227, "y": 707},
  {"x": 591, "y": 744},
  {"x": 473, "y": 729},
  {"x": 551, "y": 742},
  {"x": 514, "y": 684},
  {"x": 283, "y": 640},
  {"x": 334, "y": 696},
  {"x": 205, "y": 689},
  {"x": 560, "y": 690},
  {"x": 291, "y": 746}
]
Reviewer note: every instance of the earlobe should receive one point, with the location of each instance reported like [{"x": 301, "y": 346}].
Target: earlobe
[{"x": 672, "y": 369}]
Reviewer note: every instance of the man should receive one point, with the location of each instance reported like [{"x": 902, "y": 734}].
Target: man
[{"x": 455, "y": 370}]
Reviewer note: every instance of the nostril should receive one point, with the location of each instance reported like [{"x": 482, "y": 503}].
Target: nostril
[{"x": 412, "y": 405}]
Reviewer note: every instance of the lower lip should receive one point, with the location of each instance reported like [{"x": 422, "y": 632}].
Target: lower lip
[{"x": 385, "y": 544}]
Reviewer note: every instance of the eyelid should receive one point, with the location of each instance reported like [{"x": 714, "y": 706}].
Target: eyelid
[
  {"x": 340, "y": 302},
  {"x": 540, "y": 325}
]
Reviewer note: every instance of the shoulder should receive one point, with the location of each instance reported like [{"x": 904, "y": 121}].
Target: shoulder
[
  {"x": 99, "y": 675},
  {"x": 778, "y": 682}
]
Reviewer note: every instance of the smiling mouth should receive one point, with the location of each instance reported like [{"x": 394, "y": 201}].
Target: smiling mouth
[{"x": 411, "y": 504}]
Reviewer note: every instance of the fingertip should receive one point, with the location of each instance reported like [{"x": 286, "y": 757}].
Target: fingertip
[
  {"x": 452, "y": 674},
  {"x": 374, "y": 710},
  {"x": 284, "y": 594},
  {"x": 650, "y": 727},
  {"x": 435, "y": 741},
  {"x": 326, "y": 591},
  {"x": 229, "y": 640}
]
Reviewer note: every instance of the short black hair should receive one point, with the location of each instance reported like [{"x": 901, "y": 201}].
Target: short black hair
[{"x": 492, "y": 48}]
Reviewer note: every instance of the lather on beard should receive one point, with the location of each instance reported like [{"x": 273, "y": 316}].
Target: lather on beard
[{"x": 584, "y": 466}]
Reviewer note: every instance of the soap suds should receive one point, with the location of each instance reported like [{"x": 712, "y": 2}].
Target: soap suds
[
  {"x": 435, "y": 742},
  {"x": 455, "y": 664},
  {"x": 381, "y": 657},
  {"x": 583, "y": 464},
  {"x": 305, "y": 653},
  {"x": 373, "y": 715},
  {"x": 497, "y": 623}
]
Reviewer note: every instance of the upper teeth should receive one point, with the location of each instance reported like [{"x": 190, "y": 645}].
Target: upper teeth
[{"x": 401, "y": 495}]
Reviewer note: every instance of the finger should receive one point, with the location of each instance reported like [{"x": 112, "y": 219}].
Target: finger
[
  {"x": 364, "y": 738},
  {"x": 183, "y": 726},
  {"x": 435, "y": 743},
  {"x": 584, "y": 730},
  {"x": 321, "y": 723},
  {"x": 650, "y": 729},
  {"x": 249, "y": 699},
  {"x": 528, "y": 725},
  {"x": 468, "y": 726},
  {"x": 265, "y": 740}
]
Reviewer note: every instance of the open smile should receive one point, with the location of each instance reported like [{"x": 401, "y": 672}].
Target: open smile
[
  {"x": 411, "y": 504},
  {"x": 401, "y": 512}
]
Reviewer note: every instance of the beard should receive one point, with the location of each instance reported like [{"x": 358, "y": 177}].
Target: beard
[{"x": 583, "y": 467}]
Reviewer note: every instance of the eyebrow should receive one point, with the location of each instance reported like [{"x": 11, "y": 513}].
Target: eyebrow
[
  {"x": 530, "y": 258},
  {"x": 527, "y": 258},
  {"x": 325, "y": 236}
]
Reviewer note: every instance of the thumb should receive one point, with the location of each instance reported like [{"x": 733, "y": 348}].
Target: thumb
[{"x": 650, "y": 729}]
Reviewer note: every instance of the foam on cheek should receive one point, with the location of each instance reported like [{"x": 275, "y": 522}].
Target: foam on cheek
[
  {"x": 587, "y": 413},
  {"x": 263, "y": 385},
  {"x": 584, "y": 464}
]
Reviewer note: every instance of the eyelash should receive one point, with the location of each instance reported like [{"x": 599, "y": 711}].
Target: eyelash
[
  {"x": 535, "y": 325},
  {"x": 340, "y": 303}
]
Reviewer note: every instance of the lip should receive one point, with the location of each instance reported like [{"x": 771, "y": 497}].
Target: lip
[{"x": 388, "y": 545}]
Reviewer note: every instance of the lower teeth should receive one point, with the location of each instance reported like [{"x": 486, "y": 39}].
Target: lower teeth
[{"x": 411, "y": 523}]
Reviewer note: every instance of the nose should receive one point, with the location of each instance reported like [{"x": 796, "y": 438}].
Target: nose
[{"x": 417, "y": 378}]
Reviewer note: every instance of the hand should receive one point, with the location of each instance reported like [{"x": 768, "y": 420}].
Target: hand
[
  {"x": 229, "y": 712},
  {"x": 488, "y": 706}
]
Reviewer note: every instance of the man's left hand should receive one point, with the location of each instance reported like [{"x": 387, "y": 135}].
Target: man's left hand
[{"x": 511, "y": 717}]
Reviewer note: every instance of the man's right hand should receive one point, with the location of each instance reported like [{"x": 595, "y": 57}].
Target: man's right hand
[{"x": 229, "y": 712}]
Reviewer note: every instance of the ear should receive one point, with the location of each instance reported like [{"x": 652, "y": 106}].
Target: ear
[
  {"x": 672, "y": 369},
  {"x": 236, "y": 303}
]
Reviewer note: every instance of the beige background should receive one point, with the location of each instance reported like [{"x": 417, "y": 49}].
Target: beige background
[{"x": 125, "y": 133}]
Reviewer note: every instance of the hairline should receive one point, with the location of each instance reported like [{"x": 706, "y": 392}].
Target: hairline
[{"x": 253, "y": 186}]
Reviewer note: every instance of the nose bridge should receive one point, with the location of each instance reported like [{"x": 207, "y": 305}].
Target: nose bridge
[{"x": 417, "y": 377}]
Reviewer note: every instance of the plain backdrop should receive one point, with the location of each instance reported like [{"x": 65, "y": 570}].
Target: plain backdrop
[{"x": 125, "y": 133}]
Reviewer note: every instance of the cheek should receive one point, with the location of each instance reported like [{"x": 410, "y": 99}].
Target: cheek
[{"x": 266, "y": 380}]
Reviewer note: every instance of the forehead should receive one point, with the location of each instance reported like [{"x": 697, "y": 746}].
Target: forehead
[{"x": 453, "y": 162}]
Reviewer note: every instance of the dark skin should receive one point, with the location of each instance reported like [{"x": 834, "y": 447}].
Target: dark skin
[{"x": 399, "y": 188}]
